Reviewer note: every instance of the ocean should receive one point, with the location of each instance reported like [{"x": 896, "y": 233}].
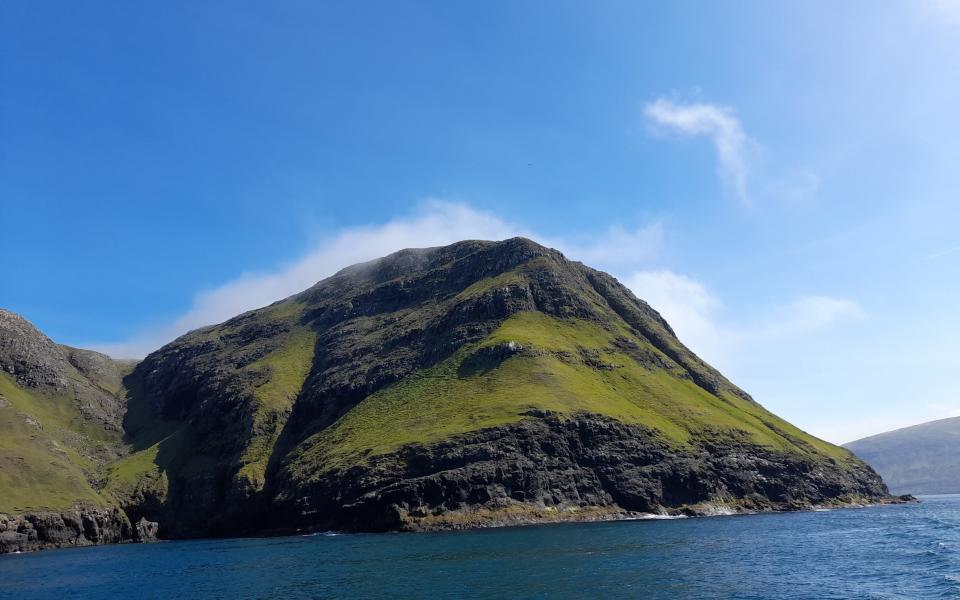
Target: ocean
[{"x": 900, "y": 551}]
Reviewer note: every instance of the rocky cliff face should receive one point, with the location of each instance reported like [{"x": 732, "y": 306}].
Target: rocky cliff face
[
  {"x": 547, "y": 468},
  {"x": 88, "y": 526}
]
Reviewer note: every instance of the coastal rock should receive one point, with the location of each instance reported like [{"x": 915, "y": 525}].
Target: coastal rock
[
  {"x": 146, "y": 531},
  {"x": 79, "y": 527}
]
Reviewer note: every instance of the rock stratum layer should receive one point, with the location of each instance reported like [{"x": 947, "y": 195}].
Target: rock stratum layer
[{"x": 482, "y": 383}]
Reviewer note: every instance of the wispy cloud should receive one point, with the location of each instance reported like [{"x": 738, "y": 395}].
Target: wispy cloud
[
  {"x": 688, "y": 306},
  {"x": 616, "y": 247},
  {"x": 716, "y": 122},
  {"x": 693, "y": 312},
  {"x": 806, "y": 314}
]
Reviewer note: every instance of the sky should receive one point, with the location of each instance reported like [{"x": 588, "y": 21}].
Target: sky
[{"x": 781, "y": 182}]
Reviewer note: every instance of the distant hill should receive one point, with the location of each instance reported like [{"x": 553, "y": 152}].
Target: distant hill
[{"x": 922, "y": 459}]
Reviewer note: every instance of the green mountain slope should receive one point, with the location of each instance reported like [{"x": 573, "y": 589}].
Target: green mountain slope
[
  {"x": 352, "y": 405},
  {"x": 61, "y": 410},
  {"x": 922, "y": 459},
  {"x": 60, "y": 424},
  {"x": 41, "y": 465},
  {"x": 565, "y": 366}
]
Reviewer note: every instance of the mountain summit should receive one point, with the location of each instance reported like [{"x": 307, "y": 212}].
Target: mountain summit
[{"x": 475, "y": 384}]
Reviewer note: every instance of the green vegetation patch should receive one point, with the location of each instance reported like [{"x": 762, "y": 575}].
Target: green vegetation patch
[
  {"x": 43, "y": 462},
  {"x": 288, "y": 367},
  {"x": 567, "y": 366},
  {"x": 148, "y": 468}
]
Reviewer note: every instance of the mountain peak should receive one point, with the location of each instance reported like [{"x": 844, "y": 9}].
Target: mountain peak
[
  {"x": 30, "y": 356},
  {"x": 495, "y": 255},
  {"x": 35, "y": 361}
]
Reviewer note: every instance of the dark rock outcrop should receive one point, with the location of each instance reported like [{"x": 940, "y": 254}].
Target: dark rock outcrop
[
  {"x": 31, "y": 357},
  {"x": 36, "y": 362},
  {"x": 71, "y": 528}
]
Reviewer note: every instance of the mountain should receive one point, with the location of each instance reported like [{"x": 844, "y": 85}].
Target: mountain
[
  {"x": 922, "y": 459},
  {"x": 482, "y": 383}
]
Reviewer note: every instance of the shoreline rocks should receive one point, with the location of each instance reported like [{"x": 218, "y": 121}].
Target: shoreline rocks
[{"x": 83, "y": 526}]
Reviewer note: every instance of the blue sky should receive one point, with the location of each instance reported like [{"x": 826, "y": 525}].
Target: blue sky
[{"x": 781, "y": 182}]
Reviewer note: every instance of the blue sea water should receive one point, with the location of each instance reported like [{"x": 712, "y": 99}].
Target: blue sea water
[{"x": 909, "y": 551}]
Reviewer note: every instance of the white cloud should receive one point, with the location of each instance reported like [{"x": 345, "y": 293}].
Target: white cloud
[
  {"x": 688, "y": 306},
  {"x": 615, "y": 247},
  {"x": 713, "y": 121},
  {"x": 693, "y": 312},
  {"x": 807, "y": 314}
]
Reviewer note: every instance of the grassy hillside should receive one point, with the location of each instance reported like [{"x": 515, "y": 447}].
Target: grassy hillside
[
  {"x": 60, "y": 415},
  {"x": 48, "y": 453},
  {"x": 537, "y": 362}
]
